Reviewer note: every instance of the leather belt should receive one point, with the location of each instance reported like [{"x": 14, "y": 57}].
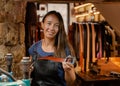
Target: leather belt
[
  {"x": 85, "y": 45},
  {"x": 70, "y": 59},
  {"x": 88, "y": 48},
  {"x": 93, "y": 42},
  {"x": 55, "y": 59},
  {"x": 81, "y": 60}
]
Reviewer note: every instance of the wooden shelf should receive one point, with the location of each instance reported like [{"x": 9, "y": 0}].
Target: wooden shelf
[{"x": 87, "y": 12}]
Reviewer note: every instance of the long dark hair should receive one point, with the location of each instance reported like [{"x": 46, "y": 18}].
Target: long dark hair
[{"x": 61, "y": 39}]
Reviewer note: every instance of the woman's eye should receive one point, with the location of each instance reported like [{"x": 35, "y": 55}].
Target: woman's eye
[
  {"x": 48, "y": 23},
  {"x": 57, "y": 25}
]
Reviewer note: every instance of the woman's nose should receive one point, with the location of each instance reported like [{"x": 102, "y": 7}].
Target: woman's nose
[{"x": 52, "y": 27}]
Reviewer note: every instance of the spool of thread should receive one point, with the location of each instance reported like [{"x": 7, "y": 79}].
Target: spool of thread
[{"x": 25, "y": 64}]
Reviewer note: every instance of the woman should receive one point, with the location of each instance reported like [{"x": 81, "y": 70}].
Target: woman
[{"x": 55, "y": 43}]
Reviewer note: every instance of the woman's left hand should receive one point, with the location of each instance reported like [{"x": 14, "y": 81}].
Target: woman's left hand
[
  {"x": 69, "y": 73},
  {"x": 67, "y": 66}
]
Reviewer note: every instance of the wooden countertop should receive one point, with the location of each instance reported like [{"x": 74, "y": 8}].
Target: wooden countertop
[{"x": 112, "y": 65}]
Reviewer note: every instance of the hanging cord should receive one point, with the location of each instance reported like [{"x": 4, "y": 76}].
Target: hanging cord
[{"x": 6, "y": 73}]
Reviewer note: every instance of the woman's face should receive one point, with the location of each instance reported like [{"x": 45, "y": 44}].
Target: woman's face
[{"x": 50, "y": 26}]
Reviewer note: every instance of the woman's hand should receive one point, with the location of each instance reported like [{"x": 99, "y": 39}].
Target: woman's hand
[
  {"x": 69, "y": 73},
  {"x": 67, "y": 66}
]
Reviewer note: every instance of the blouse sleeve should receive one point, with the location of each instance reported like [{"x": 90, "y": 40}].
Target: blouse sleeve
[{"x": 31, "y": 50}]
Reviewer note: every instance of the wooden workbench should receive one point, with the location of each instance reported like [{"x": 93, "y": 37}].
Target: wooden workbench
[{"x": 103, "y": 78}]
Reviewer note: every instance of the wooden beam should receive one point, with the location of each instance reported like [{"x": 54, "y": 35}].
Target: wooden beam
[{"x": 70, "y": 0}]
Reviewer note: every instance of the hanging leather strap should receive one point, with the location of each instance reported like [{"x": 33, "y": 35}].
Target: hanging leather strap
[
  {"x": 81, "y": 60},
  {"x": 88, "y": 48},
  {"x": 93, "y": 42},
  {"x": 84, "y": 32}
]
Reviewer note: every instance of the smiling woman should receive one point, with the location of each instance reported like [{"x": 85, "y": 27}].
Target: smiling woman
[
  {"x": 51, "y": 26},
  {"x": 55, "y": 43},
  {"x": 18, "y": 31}
]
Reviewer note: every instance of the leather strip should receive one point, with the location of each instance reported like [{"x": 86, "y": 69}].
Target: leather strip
[
  {"x": 85, "y": 45},
  {"x": 55, "y": 59},
  {"x": 88, "y": 48},
  {"x": 112, "y": 33},
  {"x": 77, "y": 40},
  {"x": 93, "y": 42},
  {"x": 98, "y": 42},
  {"x": 81, "y": 60}
]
